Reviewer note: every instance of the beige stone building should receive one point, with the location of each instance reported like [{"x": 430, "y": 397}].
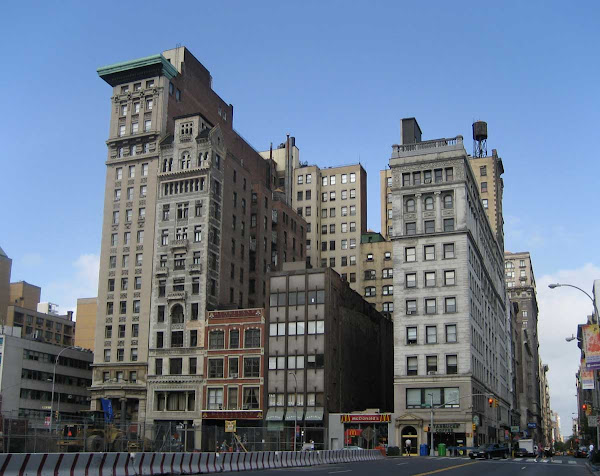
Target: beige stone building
[
  {"x": 286, "y": 158},
  {"x": 178, "y": 209},
  {"x": 25, "y": 295},
  {"x": 5, "y": 270},
  {"x": 85, "y": 333},
  {"x": 333, "y": 201},
  {"x": 377, "y": 278},
  {"x": 385, "y": 199}
]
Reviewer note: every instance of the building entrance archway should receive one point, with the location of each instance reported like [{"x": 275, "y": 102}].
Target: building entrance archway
[{"x": 409, "y": 433}]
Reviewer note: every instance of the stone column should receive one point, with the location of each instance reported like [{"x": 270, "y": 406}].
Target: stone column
[
  {"x": 123, "y": 412},
  {"x": 419, "y": 214},
  {"x": 438, "y": 211},
  {"x": 166, "y": 394}
]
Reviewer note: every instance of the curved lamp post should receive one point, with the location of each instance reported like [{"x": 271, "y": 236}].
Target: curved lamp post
[
  {"x": 53, "y": 383},
  {"x": 559, "y": 285},
  {"x": 293, "y": 374}
]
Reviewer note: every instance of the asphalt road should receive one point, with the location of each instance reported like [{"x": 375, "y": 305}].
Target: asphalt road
[{"x": 422, "y": 466}]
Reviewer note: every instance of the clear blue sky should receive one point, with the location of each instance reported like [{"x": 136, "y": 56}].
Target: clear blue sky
[{"x": 338, "y": 76}]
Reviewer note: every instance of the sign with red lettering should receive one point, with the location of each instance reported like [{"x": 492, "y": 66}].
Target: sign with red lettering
[{"x": 364, "y": 418}]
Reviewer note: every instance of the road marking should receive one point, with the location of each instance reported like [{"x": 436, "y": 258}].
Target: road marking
[
  {"x": 521, "y": 468},
  {"x": 344, "y": 471},
  {"x": 559, "y": 462},
  {"x": 572, "y": 462},
  {"x": 445, "y": 469},
  {"x": 400, "y": 464}
]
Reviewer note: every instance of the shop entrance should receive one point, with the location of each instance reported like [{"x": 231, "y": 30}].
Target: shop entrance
[{"x": 409, "y": 433}]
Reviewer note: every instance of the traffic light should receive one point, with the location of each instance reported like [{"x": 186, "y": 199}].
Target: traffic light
[
  {"x": 496, "y": 404},
  {"x": 491, "y": 402},
  {"x": 584, "y": 407}
]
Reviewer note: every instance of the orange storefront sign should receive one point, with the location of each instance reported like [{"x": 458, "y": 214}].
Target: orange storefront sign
[{"x": 364, "y": 418}]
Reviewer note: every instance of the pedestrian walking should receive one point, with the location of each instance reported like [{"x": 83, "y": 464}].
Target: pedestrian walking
[
  {"x": 407, "y": 444},
  {"x": 591, "y": 451},
  {"x": 539, "y": 453}
]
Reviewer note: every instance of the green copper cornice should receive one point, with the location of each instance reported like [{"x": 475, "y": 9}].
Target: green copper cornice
[{"x": 155, "y": 62}]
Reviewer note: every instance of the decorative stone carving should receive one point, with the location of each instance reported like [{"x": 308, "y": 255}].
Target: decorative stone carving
[
  {"x": 138, "y": 270},
  {"x": 410, "y": 216},
  {"x": 130, "y": 181},
  {"x": 113, "y": 251},
  {"x": 139, "y": 247},
  {"x": 117, "y": 183},
  {"x": 121, "y": 343},
  {"x": 142, "y": 202},
  {"x": 448, "y": 213},
  {"x": 123, "y": 295},
  {"x": 111, "y": 273},
  {"x": 135, "y": 318},
  {"x": 115, "y": 228},
  {"x": 116, "y": 206},
  {"x": 129, "y": 204},
  {"x": 134, "y": 342},
  {"x": 144, "y": 180},
  {"x": 126, "y": 249},
  {"x": 122, "y": 319},
  {"x": 124, "y": 272},
  {"x": 141, "y": 224},
  {"x": 428, "y": 214},
  {"x": 106, "y": 343},
  {"x": 111, "y": 295},
  {"x": 109, "y": 320},
  {"x": 127, "y": 226},
  {"x": 136, "y": 294}
]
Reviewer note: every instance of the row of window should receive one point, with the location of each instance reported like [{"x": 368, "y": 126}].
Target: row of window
[
  {"x": 424, "y": 397},
  {"x": 120, "y": 376},
  {"x": 297, "y": 298},
  {"x": 137, "y": 284},
  {"x": 344, "y": 228},
  {"x": 313, "y": 399},
  {"x": 328, "y": 180},
  {"x": 429, "y": 225},
  {"x": 51, "y": 358},
  {"x": 311, "y": 361},
  {"x": 130, "y": 194},
  {"x": 176, "y": 339},
  {"x": 431, "y": 364},
  {"x": 132, "y": 150},
  {"x": 137, "y": 86},
  {"x": 371, "y": 291},
  {"x": 45, "y": 396},
  {"x": 430, "y": 305},
  {"x": 250, "y": 398},
  {"x": 386, "y": 256},
  {"x": 18, "y": 318},
  {"x": 30, "y": 374},
  {"x": 431, "y": 334},
  {"x": 130, "y": 171},
  {"x": 112, "y": 260},
  {"x": 135, "y": 330},
  {"x": 216, "y": 339},
  {"x": 136, "y": 306},
  {"x": 428, "y": 202},
  {"x": 429, "y": 251},
  {"x": 371, "y": 274},
  {"x": 135, "y": 127},
  {"x": 427, "y": 177},
  {"x": 175, "y": 187},
  {"x": 296, "y": 328},
  {"x": 345, "y": 261},
  {"x": 133, "y": 355},
  {"x": 429, "y": 279},
  {"x": 251, "y": 367},
  {"x": 331, "y": 212},
  {"x": 128, "y": 215},
  {"x": 175, "y": 366}
]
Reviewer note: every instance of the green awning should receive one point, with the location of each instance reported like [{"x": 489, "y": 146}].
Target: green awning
[
  {"x": 294, "y": 414},
  {"x": 274, "y": 414},
  {"x": 314, "y": 414}
]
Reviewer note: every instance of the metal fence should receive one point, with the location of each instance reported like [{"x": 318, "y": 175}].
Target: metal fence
[{"x": 19, "y": 435}]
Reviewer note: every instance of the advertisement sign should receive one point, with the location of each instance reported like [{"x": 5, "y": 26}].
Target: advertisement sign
[
  {"x": 587, "y": 377},
  {"x": 514, "y": 429},
  {"x": 230, "y": 426},
  {"x": 361, "y": 418},
  {"x": 591, "y": 343}
]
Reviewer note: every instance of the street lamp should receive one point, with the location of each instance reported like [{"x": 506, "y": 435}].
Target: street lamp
[
  {"x": 570, "y": 339},
  {"x": 293, "y": 374},
  {"x": 53, "y": 383},
  {"x": 558, "y": 285}
]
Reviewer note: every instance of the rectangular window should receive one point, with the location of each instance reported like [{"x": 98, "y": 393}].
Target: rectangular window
[
  {"x": 429, "y": 226},
  {"x": 430, "y": 306},
  {"x": 431, "y": 363},
  {"x": 429, "y": 279},
  {"x": 252, "y": 367},
  {"x": 448, "y": 224},
  {"x": 215, "y": 368},
  {"x": 411, "y": 280},
  {"x": 175, "y": 366},
  {"x": 411, "y": 306},
  {"x": 411, "y": 335},
  {"x": 411, "y": 228},
  {"x": 451, "y": 333},
  {"x": 449, "y": 278},
  {"x": 431, "y": 334},
  {"x": 193, "y": 367},
  {"x": 450, "y": 303},
  {"x": 449, "y": 174},
  {"x": 410, "y": 254},
  {"x": 448, "y": 250},
  {"x": 429, "y": 252},
  {"x": 411, "y": 365},
  {"x": 158, "y": 366},
  {"x": 451, "y": 364}
]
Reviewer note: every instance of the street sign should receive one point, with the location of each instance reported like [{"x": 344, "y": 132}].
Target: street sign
[
  {"x": 230, "y": 426},
  {"x": 476, "y": 419},
  {"x": 514, "y": 429},
  {"x": 531, "y": 425},
  {"x": 368, "y": 433}
]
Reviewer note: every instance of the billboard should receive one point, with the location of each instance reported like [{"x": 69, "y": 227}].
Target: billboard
[{"x": 591, "y": 345}]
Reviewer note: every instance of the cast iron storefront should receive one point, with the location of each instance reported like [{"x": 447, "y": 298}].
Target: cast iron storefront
[{"x": 365, "y": 430}]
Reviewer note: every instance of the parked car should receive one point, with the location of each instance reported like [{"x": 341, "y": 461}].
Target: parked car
[
  {"x": 489, "y": 451},
  {"x": 352, "y": 448},
  {"x": 521, "y": 452},
  {"x": 581, "y": 452}
]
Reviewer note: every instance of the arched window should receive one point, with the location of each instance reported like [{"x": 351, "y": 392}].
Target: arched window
[
  {"x": 429, "y": 203},
  {"x": 164, "y": 169},
  {"x": 170, "y": 164},
  {"x": 177, "y": 314},
  {"x": 448, "y": 202},
  {"x": 410, "y": 205},
  {"x": 185, "y": 161}
]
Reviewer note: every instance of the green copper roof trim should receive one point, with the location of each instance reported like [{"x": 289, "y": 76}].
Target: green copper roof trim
[{"x": 167, "y": 68}]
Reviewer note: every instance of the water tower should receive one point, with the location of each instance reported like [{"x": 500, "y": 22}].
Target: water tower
[{"x": 480, "y": 139}]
